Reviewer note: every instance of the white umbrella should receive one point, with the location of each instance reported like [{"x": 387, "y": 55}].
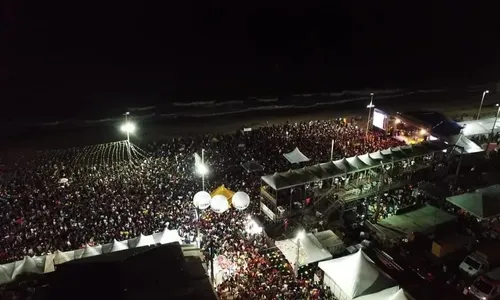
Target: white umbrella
[
  {"x": 63, "y": 180},
  {"x": 202, "y": 200},
  {"x": 240, "y": 200},
  {"x": 219, "y": 204}
]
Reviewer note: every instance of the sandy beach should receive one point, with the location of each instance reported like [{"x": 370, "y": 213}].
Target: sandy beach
[{"x": 157, "y": 130}]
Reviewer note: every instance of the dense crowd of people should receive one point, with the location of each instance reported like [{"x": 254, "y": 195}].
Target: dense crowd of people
[{"x": 63, "y": 200}]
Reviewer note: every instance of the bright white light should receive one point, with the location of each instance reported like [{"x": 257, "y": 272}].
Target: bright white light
[
  {"x": 252, "y": 227},
  {"x": 379, "y": 120},
  {"x": 301, "y": 235},
  {"x": 486, "y": 92},
  {"x": 201, "y": 169},
  {"x": 128, "y": 127},
  {"x": 423, "y": 131},
  {"x": 397, "y": 121}
]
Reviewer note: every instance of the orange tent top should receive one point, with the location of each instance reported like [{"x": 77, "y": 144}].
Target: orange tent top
[{"x": 222, "y": 190}]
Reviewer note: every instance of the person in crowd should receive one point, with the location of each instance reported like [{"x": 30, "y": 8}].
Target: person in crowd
[{"x": 106, "y": 196}]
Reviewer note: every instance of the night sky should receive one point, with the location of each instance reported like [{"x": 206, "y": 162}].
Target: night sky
[{"x": 67, "y": 56}]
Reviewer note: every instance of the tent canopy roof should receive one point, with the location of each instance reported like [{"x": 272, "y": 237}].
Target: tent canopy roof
[
  {"x": 399, "y": 295},
  {"x": 386, "y": 294},
  {"x": 440, "y": 124},
  {"x": 319, "y": 172},
  {"x": 483, "y": 203},
  {"x": 365, "y": 158},
  {"x": 357, "y": 163},
  {"x": 328, "y": 170},
  {"x": 222, "y": 190},
  {"x": 479, "y": 127},
  {"x": 310, "y": 251},
  {"x": 252, "y": 166},
  {"x": 464, "y": 142},
  {"x": 295, "y": 156},
  {"x": 356, "y": 275},
  {"x": 422, "y": 219}
]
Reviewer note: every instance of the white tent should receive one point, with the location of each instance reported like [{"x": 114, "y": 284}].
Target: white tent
[
  {"x": 6, "y": 272},
  {"x": 49, "y": 263},
  {"x": 27, "y": 265},
  {"x": 119, "y": 246},
  {"x": 40, "y": 263},
  {"x": 310, "y": 250},
  {"x": 399, "y": 295},
  {"x": 479, "y": 127},
  {"x": 170, "y": 236},
  {"x": 386, "y": 294},
  {"x": 91, "y": 251},
  {"x": 295, "y": 156},
  {"x": 353, "y": 276},
  {"x": 62, "y": 257},
  {"x": 145, "y": 240},
  {"x": 78, "y": 253},
  {"x": 465, "y": 143},
  {"x": 46, "y": 264}
]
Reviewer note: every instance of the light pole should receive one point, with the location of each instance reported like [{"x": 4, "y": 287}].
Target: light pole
[
  {"x": 494, "y": 123},
  {"x": 331, "y": 152},
  {"x": 202, "y": 169},
  {"x": 300, "y": 236},
  {"x": 128, "y": 128},
  {"x": 126, "y": 122},
  {"x": 369, "y": 106},
  {"x": 481, "y": 105}
]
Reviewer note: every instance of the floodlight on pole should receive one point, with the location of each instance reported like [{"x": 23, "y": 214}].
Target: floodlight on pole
[
  {"x": 495, "y": 122},
  {"x": 202, "y": 169},
  {"x": 128, "y": 128},
  {"x": 481, "y": 105},
  {"x": 369, "y": 106}
]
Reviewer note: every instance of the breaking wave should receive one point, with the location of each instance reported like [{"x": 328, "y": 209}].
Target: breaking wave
[{"x": 198, "y": 109}]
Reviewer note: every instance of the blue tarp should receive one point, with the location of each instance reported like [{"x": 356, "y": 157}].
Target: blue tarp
[{"x": 436, "y": 122}]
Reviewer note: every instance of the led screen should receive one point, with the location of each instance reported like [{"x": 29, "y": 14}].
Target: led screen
[{"x": 379, "y": 120}]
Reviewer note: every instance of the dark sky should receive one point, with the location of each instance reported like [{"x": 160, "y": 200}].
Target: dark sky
[{"x": 84, "y": 53}]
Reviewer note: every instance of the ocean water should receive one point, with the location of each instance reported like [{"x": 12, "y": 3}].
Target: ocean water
[
  {"x": 173, "y": 118},
  {"x": 215, "y": 108}
]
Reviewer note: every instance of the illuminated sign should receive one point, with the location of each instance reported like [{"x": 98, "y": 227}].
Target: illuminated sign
[{"x": 379, "y": 119}]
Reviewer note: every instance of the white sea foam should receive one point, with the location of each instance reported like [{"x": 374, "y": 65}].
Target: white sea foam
[
  {"x": 145, "y": 108},
  {"x": 267, "y": 99},
  {"x": 234, "y": 102},
  {"x": 203, "y": 108},
  {"x": 197, "y": 103}
]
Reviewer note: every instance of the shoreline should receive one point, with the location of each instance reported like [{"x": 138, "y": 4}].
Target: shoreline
[{"x": 160, "y": 130}]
